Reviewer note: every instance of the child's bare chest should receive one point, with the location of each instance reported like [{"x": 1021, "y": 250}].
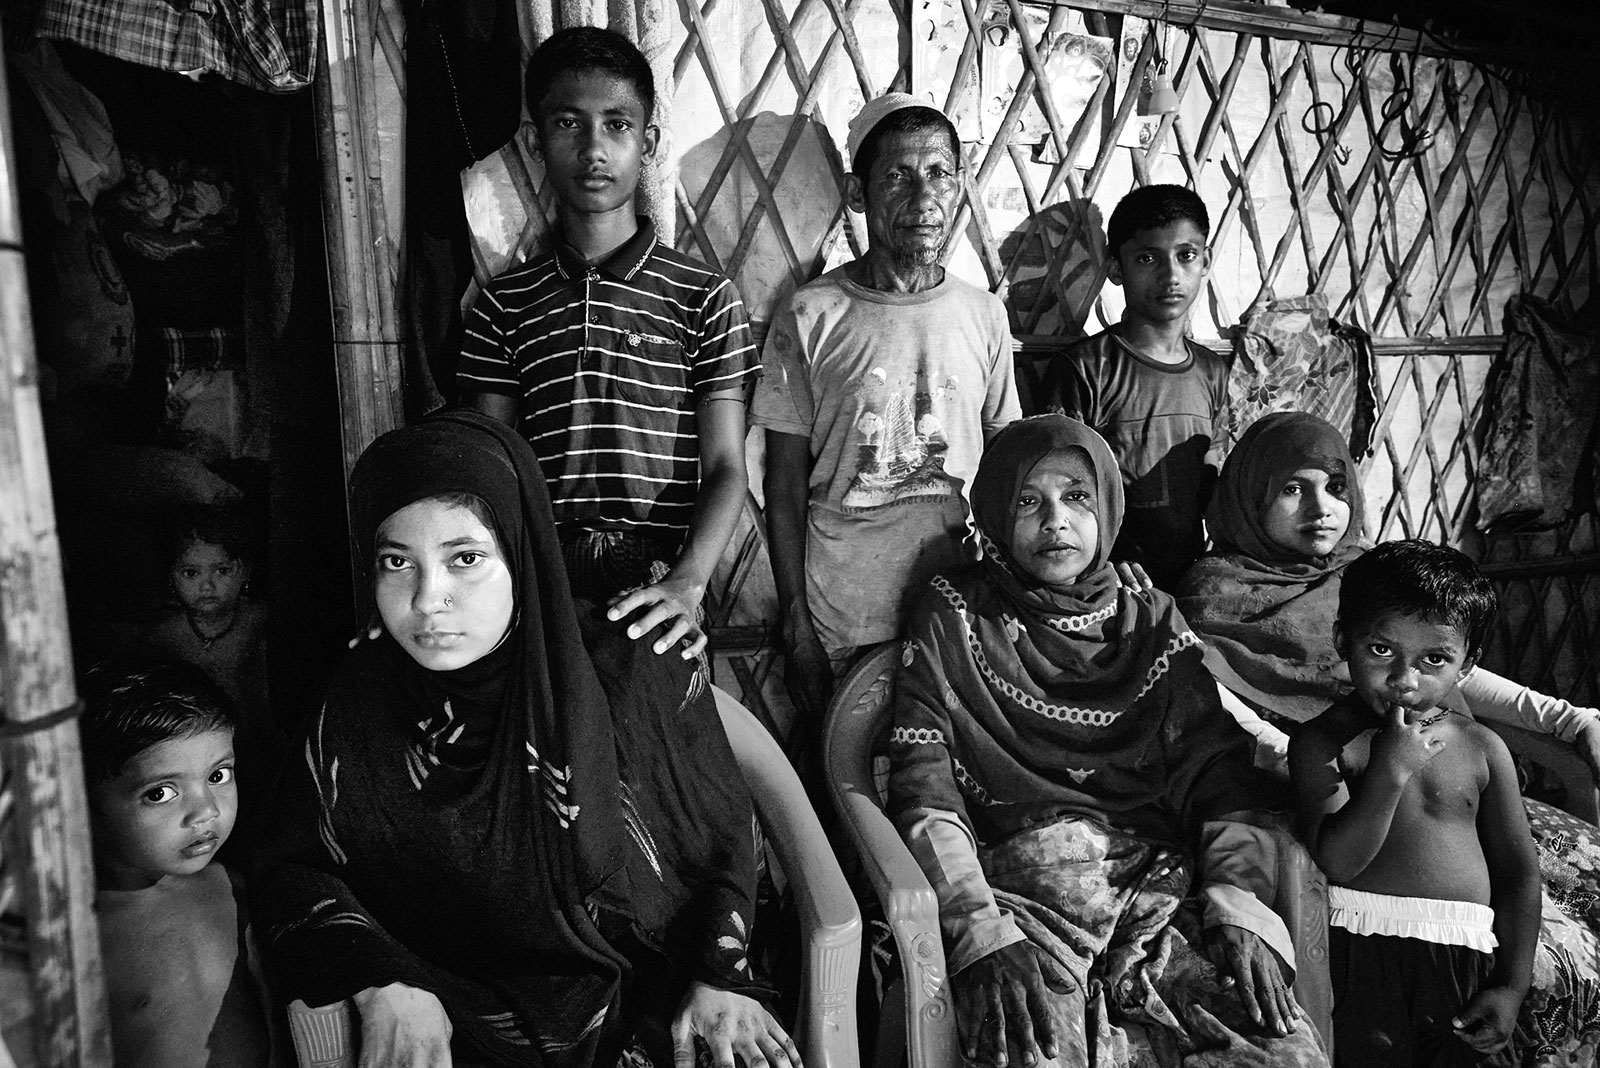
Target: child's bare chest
[{"x": 1447, "y": 788}]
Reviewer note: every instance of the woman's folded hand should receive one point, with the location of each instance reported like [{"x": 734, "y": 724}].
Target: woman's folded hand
[
  {"x": 1002, "y": 1001},
  {"x": 402, "y": 1027},
  {"x": 1263, "y": 988},
  {"x": 730, "y": 1024}
]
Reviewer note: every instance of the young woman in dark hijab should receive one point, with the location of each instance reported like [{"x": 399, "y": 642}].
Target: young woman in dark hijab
[{"x": 509, "y": 834}]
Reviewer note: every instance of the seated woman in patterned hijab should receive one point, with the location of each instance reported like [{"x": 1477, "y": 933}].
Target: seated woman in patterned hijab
[
  {"x": 1060, "y": 767},
  {"x": 507, "y": 845}
]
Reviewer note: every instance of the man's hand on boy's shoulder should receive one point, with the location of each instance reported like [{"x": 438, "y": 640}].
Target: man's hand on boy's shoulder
[
  {"x": 1486, "y": 1021},
  {"x": 670, "y": 603}
]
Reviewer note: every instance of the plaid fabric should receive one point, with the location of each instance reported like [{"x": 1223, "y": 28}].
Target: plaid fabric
[
  {"x": 199, "y": 350},
  {"x": 603, "y": 563},
  {"x": 265, "y": 44}
]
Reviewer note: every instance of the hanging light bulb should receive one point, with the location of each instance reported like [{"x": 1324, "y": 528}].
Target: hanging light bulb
[{"x": 1163, "y": 99}]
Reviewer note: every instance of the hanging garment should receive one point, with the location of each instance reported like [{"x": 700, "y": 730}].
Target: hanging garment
[
  {"x": 1537, "y": 466},
  {"x": 464, "y": 101},
  {"x": 1291, "y": 356},
  {"x": 83, "y": 318},
  {"x": 270, "y": 45},
  {"x": 78, "y": 121}
]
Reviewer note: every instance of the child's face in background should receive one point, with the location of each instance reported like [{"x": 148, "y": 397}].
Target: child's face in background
[
  {"x": 1160, "y": 271},
  {"x": 1310, "y": 513},
  {"x": 167, "y": 812},
  {"x": 596, "y": 138},
  {"x": 207, "y": 580},
  {"x": 1056, "y": 530},
  {"x": 1402, "y": 659}
]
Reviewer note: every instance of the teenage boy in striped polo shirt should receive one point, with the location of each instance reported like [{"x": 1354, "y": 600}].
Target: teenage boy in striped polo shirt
[{"x": 623, "y": 362}]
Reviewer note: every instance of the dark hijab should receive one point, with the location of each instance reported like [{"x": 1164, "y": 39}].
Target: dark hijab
[
  {"x": 527, "y": 836},
  {"x": 1267, "y": 615}
]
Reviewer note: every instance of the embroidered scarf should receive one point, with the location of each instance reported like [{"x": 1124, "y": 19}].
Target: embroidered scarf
[
  {"x": 1021, "y": 702},
  {"x": 1267, "y": 616},
  {"x": 547, "y": 839}
]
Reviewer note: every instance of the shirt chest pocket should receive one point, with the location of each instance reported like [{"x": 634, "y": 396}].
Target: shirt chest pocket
[{"x": 648, "y": 369}]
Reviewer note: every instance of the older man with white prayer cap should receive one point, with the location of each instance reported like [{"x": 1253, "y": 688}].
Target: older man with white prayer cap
[{"x": 883, "y": 379}]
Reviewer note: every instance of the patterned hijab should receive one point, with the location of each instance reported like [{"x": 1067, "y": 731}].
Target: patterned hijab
[
  {"x": 1267, "y": 615},
  {"x": 1007, "y": 463},
  {"x": 1083, "y": 698}
]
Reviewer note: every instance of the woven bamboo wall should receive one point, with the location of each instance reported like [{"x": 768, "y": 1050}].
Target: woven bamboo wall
[{"x": 1416, "y": 189}]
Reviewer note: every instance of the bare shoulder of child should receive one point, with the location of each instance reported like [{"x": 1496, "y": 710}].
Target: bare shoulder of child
[{"x": 177, "y": 975}]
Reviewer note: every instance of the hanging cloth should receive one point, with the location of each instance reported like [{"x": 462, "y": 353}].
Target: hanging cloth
[
  {"x": 1539, "y": 433},
  {"x": 463, "y": 102},
  {"x": 269, "y": 45},
  {"x": 1291, "y": 356}
]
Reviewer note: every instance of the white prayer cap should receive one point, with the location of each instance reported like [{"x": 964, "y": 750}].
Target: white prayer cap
[{"x": 874, "y": 112}]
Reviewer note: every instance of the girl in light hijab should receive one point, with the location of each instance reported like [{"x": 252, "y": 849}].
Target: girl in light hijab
[
  {"x": 1287, "y": 516},
  {"x": 1059, "y": 763},
  {"x": 1285, "y": 520}
]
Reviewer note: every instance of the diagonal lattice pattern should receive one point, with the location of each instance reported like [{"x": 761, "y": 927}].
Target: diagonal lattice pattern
[{"x": 1415, "y": 190}]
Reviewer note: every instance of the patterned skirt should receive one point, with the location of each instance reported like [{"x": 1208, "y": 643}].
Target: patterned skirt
[{"x": 1105, "y": 909}]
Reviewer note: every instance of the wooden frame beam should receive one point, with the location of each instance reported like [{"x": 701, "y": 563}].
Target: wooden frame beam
[{"x": 1290, "y": 24}]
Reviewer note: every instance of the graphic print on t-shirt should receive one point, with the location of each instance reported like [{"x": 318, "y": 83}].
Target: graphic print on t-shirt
[{"x": 900, "y": 450}]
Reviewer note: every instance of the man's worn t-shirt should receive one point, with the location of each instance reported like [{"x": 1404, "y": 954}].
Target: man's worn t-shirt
[
  {"x": 1159, "y": 419},
  {"x": 608, "y": 364},
  {"x": 896, "y": 393}
]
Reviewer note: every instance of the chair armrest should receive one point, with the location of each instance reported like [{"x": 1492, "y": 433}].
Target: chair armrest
[
  {"x": 913, "y": 913},
  {"x": 829, "y": 918},
  {"x": 323, "y": 1037},
  {"x": 1561, "y": 759},
  {"x": 1303, "y": 904},
  {"x": 912, "y": 909}
]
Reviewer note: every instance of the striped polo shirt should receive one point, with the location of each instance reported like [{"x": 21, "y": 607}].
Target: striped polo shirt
[{"x": 608, "y": 363}]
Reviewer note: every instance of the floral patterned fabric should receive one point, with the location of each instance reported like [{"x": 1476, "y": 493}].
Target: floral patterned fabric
[
  {"x": 1120, "y": 958},
  {"x": 1292, "y": 357},
  {"x": 1560, "y": 1022}
]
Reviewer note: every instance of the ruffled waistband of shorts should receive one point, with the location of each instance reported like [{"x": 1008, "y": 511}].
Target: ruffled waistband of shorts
[{"x": 1445, "y": 923}]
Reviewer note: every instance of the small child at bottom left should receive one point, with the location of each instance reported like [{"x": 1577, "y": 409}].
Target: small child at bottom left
[{"x": 182, "y": 976}]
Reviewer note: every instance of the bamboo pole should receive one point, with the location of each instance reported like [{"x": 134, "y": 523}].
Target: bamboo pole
[
  {"x": 1041, "y": 345},
  {"x": 1289, "y": 24},
  {"x": 360, "y": 281},
  {"x": 51, "y": 825}
]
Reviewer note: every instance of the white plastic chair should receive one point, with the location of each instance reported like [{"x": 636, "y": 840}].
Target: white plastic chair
[
  {"x": 826, "y": 1032},
  {"x": 918, "y": 1010},
  {"x": 858, "y": 722}
]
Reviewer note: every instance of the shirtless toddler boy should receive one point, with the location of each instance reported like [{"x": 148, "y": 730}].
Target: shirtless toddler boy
[
  {"x": 180, "y": 975},
  {"x": 1412, "y": 810}
]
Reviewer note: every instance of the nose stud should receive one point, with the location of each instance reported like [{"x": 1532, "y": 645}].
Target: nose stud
[{"x": 448, "y": 602}]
